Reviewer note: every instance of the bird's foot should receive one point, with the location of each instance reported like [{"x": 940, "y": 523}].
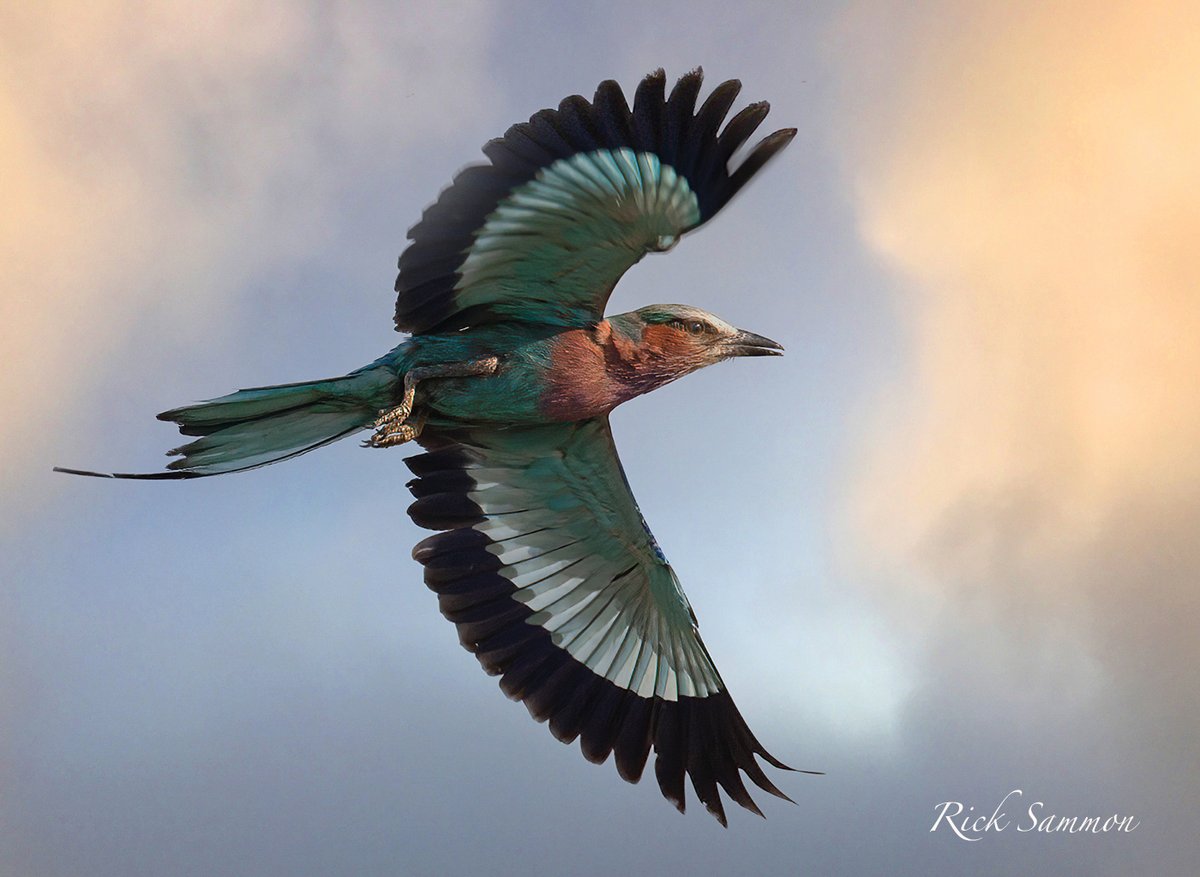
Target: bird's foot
[{"x": 394, "y": 428}]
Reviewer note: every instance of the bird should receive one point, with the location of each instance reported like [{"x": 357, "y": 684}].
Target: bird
[{"x": 540, "y": 555}]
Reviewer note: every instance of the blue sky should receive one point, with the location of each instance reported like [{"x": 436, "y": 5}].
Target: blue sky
[{"x": 941, "y": 550}]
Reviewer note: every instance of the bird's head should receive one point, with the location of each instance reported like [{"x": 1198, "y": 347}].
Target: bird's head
[{"x": 693, "y": 338}]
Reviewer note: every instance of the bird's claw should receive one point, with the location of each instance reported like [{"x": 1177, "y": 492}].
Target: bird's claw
[{"x": 394, "y": 428}]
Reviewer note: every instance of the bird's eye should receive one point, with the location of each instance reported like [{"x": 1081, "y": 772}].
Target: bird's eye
[{"x": 692, "y": 327}]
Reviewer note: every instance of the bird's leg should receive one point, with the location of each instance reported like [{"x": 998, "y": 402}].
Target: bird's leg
[{"x": 392, "y": 428}]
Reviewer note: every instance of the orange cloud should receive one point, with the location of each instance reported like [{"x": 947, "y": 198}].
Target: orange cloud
[
  {"x": 1037, "y": 188},
  {"x": 143, "y": 145},
  {"x": 1029, "y": 492}
]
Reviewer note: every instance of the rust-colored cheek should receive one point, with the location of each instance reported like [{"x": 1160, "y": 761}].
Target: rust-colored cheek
[
  {"x": 660, "y": 338},
  {"x": 665, "y": 340},
  {"x": 677, "y": 353}
]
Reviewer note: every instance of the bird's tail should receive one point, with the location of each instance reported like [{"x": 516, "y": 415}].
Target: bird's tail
[{"x": 251, "y": 428}]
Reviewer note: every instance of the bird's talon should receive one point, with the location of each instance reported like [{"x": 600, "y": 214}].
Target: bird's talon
[{"x": 389, "y": 434}]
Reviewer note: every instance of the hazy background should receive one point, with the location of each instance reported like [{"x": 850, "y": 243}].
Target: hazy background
[{"x": 946, "y": 548}]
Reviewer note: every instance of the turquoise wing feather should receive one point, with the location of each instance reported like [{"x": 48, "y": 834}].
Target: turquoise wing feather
[
  {"x": 556, "y": 584},
  {"x": 571, "y": 200}
]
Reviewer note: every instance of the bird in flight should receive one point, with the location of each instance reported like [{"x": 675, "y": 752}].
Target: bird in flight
[{"x": 541, "y": 557}]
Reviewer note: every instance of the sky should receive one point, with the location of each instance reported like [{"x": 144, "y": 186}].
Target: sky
[{"x": 942, "y": 550}]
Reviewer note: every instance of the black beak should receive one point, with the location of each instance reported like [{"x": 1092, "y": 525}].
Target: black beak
[{"x": 748, "y": 344}]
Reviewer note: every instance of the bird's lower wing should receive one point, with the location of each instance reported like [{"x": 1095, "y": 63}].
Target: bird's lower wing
[{"x": 556, "y": 585}]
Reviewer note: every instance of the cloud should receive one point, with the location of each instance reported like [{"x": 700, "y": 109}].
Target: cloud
[
  {"x": 157, "y": 156},
  {"x": 1030, "y": 176}
]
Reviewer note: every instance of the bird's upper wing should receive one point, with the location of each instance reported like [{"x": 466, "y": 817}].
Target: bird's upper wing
[
  {"x": 570, "y": 200},
  {"x": 557, "y": 586}
]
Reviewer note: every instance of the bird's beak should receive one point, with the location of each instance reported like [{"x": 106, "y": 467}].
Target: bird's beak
[{"x": 748, "y": 344}]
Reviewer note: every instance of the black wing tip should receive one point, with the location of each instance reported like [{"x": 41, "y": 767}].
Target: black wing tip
[
  {"x": 775, "y": 762},
  {"x": 630, "y": 776},
  {"x": 775, "y": 142},
  {"x": 679, "y": 802}
]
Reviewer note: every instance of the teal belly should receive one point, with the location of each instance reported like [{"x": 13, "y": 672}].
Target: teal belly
[
  {"x": 494, "y": 399},
  {"x": 511, "y": 396}
]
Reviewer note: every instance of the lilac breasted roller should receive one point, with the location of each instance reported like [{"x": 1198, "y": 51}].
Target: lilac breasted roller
[{"x": 541, "y": 557}]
